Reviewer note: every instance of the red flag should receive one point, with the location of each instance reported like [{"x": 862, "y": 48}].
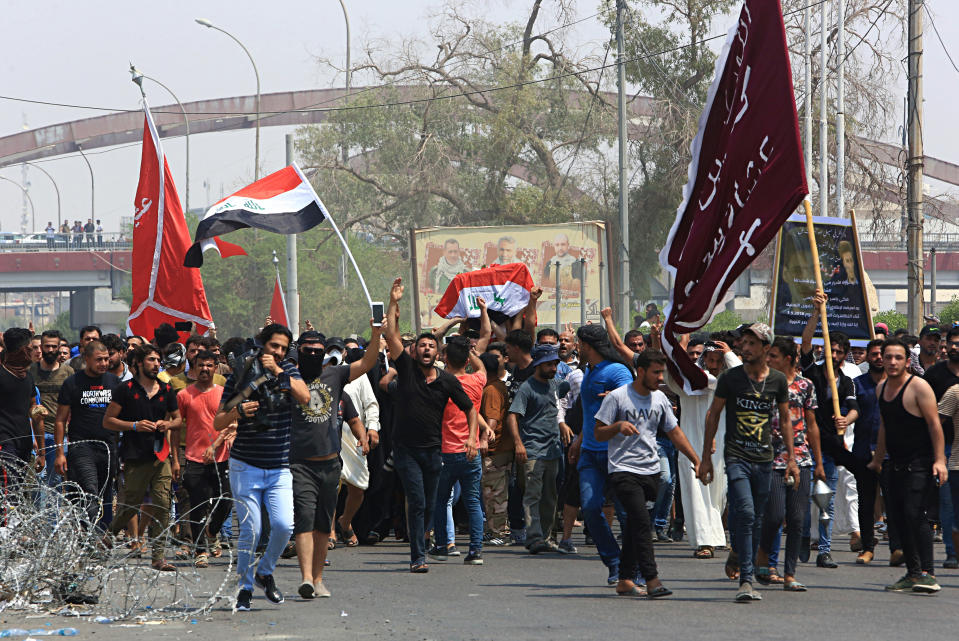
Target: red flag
[
  {"x": 163, "y": 290},
  {"x": 226, "y": 249},
  {"x": 278, "y": 305},
  {"x": 745, "y": 178}
]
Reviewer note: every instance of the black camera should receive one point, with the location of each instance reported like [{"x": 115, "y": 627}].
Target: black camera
[{"x": 255, "y": 383}]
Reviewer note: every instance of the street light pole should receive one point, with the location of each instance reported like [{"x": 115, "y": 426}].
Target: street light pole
[
  {"x": 92, "y": 184},
  {"x": 346, "y": 151},
  {"x": 623, "y": 187},
  {"x": 33, "y": 210},
  {"x": 138, "y": 77},
  {"x": 207, "y": 23},
  {"x": 55, "y": 187}
]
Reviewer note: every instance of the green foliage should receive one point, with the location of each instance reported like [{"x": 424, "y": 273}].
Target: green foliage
[
  {"x": 239, "y": 289},
  {"x": 61, "y": 323},
  {"x": 896, "y": 320},
  {"x": 520, "y": 155},
  {"x": 724, "y": 321},
  {"x": 678, "y": 82},
  {"x": 949, "y": 313}
]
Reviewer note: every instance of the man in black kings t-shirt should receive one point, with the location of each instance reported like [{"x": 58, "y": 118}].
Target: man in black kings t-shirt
[
  {"x": 143, "y": 409},
  {"x": 315, "y": 454},
  {"x": 91, "y": 461},
  {"x": 422, "y": 392},
  {"x": 751, "y": 394},
  {"x": 17, "y": 403}
]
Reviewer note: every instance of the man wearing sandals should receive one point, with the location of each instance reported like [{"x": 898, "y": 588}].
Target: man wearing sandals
[
  {"x": 144, "y": 410},
  {"x": 316, "y": 463},
  {"x": 629, "y": 419},
  {"x": 750, "y": 394}
]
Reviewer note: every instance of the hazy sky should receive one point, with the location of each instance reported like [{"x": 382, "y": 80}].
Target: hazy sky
[{"x": 78, "y": 53}]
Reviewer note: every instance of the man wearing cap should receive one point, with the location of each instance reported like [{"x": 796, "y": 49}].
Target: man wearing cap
[
  {"x": 605, "y": 374},
  {"x": 533, "y": 422},
  {"x": 929, "y": 338},
  {"x": 831, "y": 431},
  {"x": 750, "y": 394}
]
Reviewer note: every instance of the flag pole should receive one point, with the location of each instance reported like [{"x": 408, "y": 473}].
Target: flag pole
[
  {"x": 827, "y": 346},
  {"x": 337, "y": 230},
  {"x": 286, "y": 309}
]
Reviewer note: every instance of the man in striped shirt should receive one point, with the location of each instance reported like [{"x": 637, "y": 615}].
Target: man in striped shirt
[{"x": 260, "y": 462}]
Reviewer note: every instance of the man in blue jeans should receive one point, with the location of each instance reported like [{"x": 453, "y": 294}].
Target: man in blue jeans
[
  {"x": 460, "y": 445},
  {"x": 605, "y": 374},
  {"x": 422, "y": 392},
  {"x": 260, "y": 458},
  {"x": 750, "y": 394}
]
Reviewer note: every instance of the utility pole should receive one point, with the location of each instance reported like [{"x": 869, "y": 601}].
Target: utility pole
[
  {"x": 914, "y": 168},
  {"x": 840, "y": 108},
  {"x": 823, "y": 104},
  {"x": 292, "y": 286},
  {"x": 623, "y": 187}
]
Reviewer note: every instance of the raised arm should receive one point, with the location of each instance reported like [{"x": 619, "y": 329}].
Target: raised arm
[
  {"x": 614, "y": 338},
  {"x": 393, "y": 342},
  {"x": 818, "y": 299},
  {"x": 529, "y": 314},
  {"x": 486, "y": 328},
  {"x": 368, "y": 362}
]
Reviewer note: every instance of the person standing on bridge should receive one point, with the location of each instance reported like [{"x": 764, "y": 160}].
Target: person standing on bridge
[
  {"x": 88, "y": 229},
  {"x": 51, "y": 234}
]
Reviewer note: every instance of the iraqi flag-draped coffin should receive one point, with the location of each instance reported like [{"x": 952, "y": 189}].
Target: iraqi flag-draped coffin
[{"x": 505, "y": 288}]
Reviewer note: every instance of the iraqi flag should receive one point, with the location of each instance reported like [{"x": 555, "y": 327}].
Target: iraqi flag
[
  {"x": 505, "y": 288},
  {"x": 283, "y": 203},
  {"x": 163, "y": 290},
  {"x": 745, "y": 178}
]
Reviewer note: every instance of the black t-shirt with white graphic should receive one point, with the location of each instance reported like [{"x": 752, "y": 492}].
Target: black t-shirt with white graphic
[
  {"x": 750, "y": 407},
  {"x": 88, "y": 399},
  {"x": 316, "y": 428}
]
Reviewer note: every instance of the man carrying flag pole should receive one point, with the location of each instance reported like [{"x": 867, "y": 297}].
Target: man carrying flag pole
[{"x": 746, "y": 176}]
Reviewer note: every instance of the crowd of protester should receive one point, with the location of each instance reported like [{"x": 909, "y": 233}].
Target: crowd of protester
[{"x": 508, "y": 434}]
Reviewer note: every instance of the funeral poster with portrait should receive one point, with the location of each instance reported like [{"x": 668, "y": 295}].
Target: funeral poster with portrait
[{"x": 844, "y": 282}]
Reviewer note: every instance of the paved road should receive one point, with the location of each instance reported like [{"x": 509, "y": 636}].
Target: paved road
[{"x": 518, "y": 596}]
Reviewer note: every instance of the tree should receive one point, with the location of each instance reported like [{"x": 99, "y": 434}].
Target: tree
[
  {"x": 724, "y": 321},
  {"x": 894, "y": 320},
  {"x": 948, "y": 314},
  {"x": 239, "y": 289},
  {"x": 501, "y": 124}
]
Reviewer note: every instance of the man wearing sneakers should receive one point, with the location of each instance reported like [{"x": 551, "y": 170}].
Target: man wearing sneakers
[
  {"x": 260, "y": 475},
  {"x": 422, "y": 391},
  {"x": 910, "y": 433},
  {"x": 534, "y": 425},
  {"x": 750, "y": 394},
  {"x": 460, "y": 442}
]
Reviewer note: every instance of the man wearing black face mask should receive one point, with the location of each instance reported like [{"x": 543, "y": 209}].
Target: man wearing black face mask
[
  {"x": 17, "y": 436},
  {"x": 49, "y": 375},
  {"x": 315, "y": 452}
]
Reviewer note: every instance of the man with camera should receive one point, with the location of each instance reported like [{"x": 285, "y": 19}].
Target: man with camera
[{"x": 259, "y": 395}]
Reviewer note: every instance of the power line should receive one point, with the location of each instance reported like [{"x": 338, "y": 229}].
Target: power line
[
  {"x": 932, "y": 21},
  {"x": 403, "y": 102}
]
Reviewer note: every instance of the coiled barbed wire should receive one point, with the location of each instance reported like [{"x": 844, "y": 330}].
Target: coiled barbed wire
[{"x": 52, "y": 557}]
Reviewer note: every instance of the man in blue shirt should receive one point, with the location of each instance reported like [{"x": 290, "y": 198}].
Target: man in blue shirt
[
  {"x": 260, "y": 461},
  {"x": 605, "y": 374}
]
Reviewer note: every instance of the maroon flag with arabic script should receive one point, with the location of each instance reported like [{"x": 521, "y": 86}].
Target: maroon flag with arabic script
[{"x": 745, "y": 178}]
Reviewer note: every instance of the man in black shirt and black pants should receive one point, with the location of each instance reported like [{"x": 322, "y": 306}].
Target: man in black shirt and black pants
[
  {"x": 831, "y": 430},
  {"x": 144, "y": 409},
  {"x": 421, "y": 396},
  {"x": 91, "y": 462},
  {"x": 17, "y": 403}
]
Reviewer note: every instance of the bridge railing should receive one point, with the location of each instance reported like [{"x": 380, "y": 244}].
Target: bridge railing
[
  {"x": 40, "y": 242},
  {"x": 891, "y": 242}
]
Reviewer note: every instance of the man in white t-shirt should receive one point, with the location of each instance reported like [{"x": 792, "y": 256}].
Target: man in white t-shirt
[{"x": 629, "y": 418}]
